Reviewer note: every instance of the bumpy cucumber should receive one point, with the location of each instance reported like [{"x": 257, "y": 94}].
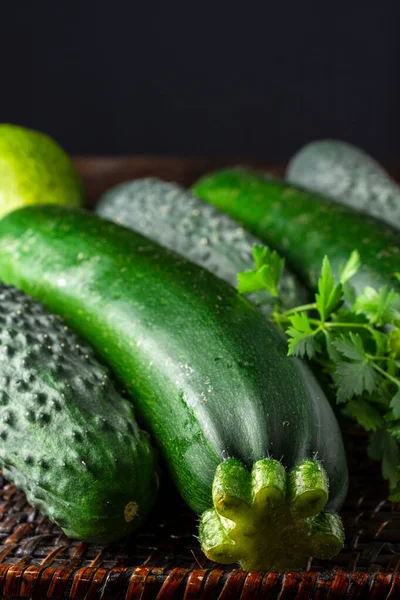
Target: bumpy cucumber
[
  {"x": 67, "y": 438},
  {"x": 171, "y": 216},
  {"x": 210, "y": 377},
  {"x": 345, "y": 173},
  {"x": 304, "y": 227}
]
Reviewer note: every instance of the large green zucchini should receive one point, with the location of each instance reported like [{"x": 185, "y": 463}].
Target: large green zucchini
[
  {"x": 248, "y": 435},
  {"x": 305, "y": 227}
]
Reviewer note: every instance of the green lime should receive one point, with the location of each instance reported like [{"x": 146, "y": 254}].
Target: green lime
[{"x": 34, "y": 169}]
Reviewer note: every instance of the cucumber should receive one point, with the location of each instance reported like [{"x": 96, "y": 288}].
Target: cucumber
[
  {"x": 67, "y": 437},
  {"x": 304, "y": 227},
  {"x": 171, "y": 216},
  {"x": 249, "y": 437},
  {"x": 345, "y": 173}
]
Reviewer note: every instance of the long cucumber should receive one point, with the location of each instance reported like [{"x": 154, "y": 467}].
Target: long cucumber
[{"x": 341, "y": 171}]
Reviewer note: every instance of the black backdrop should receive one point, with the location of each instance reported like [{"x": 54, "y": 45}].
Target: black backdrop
[{"x": 202, "y": 78}]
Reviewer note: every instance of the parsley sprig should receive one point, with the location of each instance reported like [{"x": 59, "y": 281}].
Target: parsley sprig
[{"x": 355, "y": 340}]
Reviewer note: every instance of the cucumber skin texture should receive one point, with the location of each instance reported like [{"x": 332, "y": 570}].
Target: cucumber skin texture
[
  {"x": 171, "y": 216},
  {"x": 209, "y": 375},
  {"x": 345, "y": 173},
  {"x": 67, "y": 438},
  {"x": 305, "y": 227}
]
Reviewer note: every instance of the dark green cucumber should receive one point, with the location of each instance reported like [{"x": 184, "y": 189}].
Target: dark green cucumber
[
  {"x": 67, "y": 438},
  {"x": 210, "y": 377},
  {"x": 304, "y": 227},
  {"x": 171, "y": 216},
  {"x": 345, "y": 173}
]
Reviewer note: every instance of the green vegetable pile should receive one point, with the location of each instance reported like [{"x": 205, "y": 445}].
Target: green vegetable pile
[
  {"x": 355, "y": 339},
  {"x": 239, "y": 413}
]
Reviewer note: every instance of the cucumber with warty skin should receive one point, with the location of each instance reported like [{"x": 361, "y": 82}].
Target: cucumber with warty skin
[
  {"x": 67, "y": 437},
  {"x": 342, "y": 172},
  {"x": 168, "y": 214},
  {"x": 210, "y": 378},
  {"x": 305, "y": 227}
]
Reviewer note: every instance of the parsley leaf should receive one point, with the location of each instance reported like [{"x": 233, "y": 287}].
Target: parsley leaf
[
  {"x": 379, "y": 307},
  {"x": 383, "y": 447},
  {"x": 330, "y": 294},
  {"x": 351, "y": 346},
  {"x": 383, "y": 394},
  {"x": 381, "y": 341},
  {"x": 331, "y": 349},
  {"x": 394, "y": 342},
  {"x": 395, "y": 404},
  {"x": 365, "y": 414},
  {"x": 353, "y": 378},
  {"x": 267, "y": 274},
  {"x": 351, "y": 267},
  {"x": 357, "y": 375},
  {"x": 392, "y": 424},
  {"x": 393, "y": 428},
  {"x": 251, "y": 281},
  {"x": 301, "y": 336}
]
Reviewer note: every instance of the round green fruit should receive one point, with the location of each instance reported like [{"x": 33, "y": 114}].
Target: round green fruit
[{"x": 34, "y": 169}]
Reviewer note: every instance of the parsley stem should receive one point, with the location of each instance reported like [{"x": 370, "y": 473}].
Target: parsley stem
[
  {"x": 330, "y": 324},
  {"x": 301, "y": 308},
  {"x": 383, "y": 372},
  {"x": 344, "y": 325},
  {"x": 317, "y": 322}
]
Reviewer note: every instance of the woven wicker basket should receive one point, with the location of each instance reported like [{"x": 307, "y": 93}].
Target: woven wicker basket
[{"x": 163, "y": 560}]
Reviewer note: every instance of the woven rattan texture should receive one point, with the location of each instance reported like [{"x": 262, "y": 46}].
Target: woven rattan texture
[
  {"x": 163, "y": 560},
  {"x": 165, "y": 553}
]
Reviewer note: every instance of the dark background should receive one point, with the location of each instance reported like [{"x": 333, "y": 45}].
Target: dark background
[{"x": 198, "y": 78}]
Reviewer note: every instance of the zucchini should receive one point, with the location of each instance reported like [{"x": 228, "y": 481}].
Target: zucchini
[
  {"x": 249, "y": 437},
  {"x": 67, "y": 437},
  {"x": 305, "y": 227},
  {"x": 171, "y": 216},
  {"x": 345, "y": 173}
]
